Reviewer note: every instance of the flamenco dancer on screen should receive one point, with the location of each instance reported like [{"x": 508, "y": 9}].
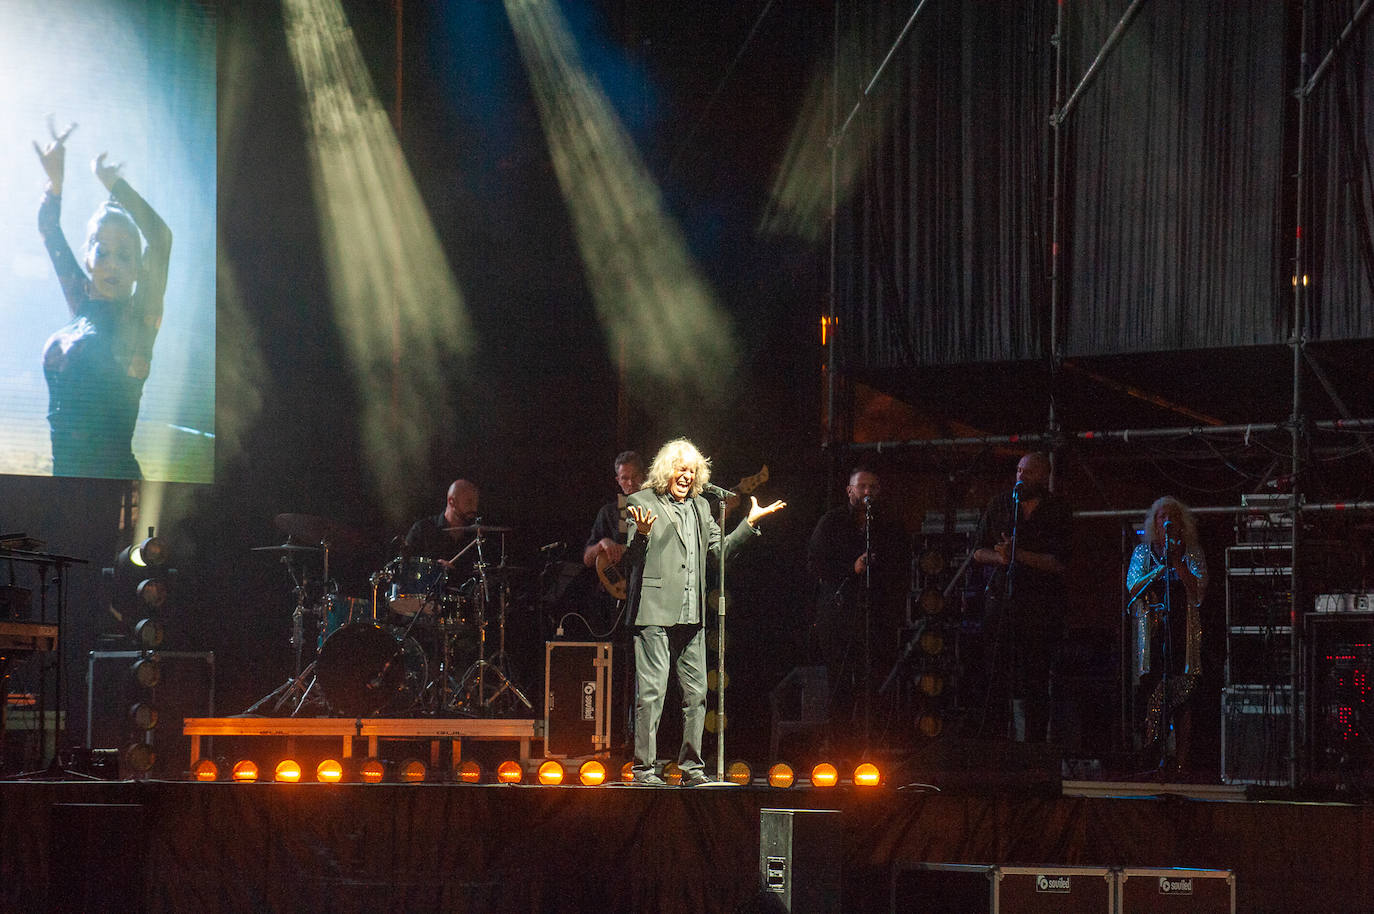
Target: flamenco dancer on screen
[{"x": 96, "y": 365}]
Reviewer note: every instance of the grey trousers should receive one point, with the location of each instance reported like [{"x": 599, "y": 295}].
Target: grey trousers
[{"x": 658, "y": 649}]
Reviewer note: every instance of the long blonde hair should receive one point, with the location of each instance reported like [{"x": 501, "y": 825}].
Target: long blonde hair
[
  {"x": 1185, "y": 517},
  {"x": 679, "y": 450}
]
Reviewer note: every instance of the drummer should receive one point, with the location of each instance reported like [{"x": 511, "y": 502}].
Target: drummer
[{"x": 442, "y": 536}]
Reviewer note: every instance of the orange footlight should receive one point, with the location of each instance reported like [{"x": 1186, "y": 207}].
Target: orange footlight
[
  {"x": 824, "y": 775},
  {"x": 245, "y": 771},
  {"x": 592, "y": 773},
  {"x": 781, "y": 775},
  {"x": 329, "y": 771},
  {"x": 551, "y": 772},
  {"x": 371, "y": 771},
  {"x": 508, "y": 772},
  {"x": 867, "y": 775}
]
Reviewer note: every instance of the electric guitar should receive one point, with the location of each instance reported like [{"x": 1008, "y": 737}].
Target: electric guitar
[{"x": 612, "y": 576}]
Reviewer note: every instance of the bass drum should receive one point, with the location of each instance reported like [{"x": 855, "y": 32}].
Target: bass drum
[{"x": 364, "y": 669}]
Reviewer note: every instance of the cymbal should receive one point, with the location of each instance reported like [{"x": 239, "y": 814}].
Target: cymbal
[
  {"x": 287, "y": 548},
  {"x": 319, "y": 529},
  {"x": 480, "y": 529},
  {"x": 506, "y": 572}
]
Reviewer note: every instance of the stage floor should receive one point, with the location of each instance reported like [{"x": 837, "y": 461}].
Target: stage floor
[{"x": 179, "y": 846}]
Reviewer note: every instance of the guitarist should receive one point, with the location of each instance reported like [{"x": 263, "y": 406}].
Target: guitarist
[
  {"x": 1027, "y": 592},
  {"x": 610, "y": 531}
]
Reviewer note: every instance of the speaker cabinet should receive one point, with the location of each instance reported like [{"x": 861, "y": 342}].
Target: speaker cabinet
[
  {"x": 800, "y": 851},
  {"x": 577, "y": 698}
]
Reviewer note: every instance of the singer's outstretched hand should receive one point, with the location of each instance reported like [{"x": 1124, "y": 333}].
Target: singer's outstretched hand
[
  {"x": 756, "y": 511},
  {"x": 643, "y": 518}
]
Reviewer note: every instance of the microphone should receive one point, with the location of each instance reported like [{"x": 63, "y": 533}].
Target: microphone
[
  {"x": 552, "y": 547},
  {"x": 1017, "y": 489},
  {"x": 1168, "y": 531},
  {"x": 713, "y": 489},
  {"x": 868, "y": 500}
]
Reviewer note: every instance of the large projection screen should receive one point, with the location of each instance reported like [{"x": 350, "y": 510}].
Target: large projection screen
[{"x": 138, "y": 81}]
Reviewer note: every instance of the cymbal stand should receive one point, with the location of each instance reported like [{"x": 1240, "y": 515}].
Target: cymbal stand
[
  {"x": 300, "y": 685},
  {"x": 476, "y": 676}
]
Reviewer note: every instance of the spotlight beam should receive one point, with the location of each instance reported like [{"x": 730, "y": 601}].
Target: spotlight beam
[
  {"x": 380, "y": 249},
  {"x": 653, "y": 303}
]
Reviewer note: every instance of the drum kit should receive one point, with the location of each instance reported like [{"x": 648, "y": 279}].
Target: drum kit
[{"x": 417, "y": 646}]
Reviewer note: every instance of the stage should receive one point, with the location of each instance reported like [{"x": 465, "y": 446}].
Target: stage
[{"x": 165, "y": 846}]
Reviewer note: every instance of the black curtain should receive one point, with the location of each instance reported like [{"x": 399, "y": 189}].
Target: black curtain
[{"x": 1178, "y": 209}]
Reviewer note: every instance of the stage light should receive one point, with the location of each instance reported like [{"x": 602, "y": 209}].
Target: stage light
[
  {"x": 411, "y": 771},
  {"x": 509, "y": 772},
  {"x": 149, "y": 633},
  {"x": 551, "y": 772},
  {"x": 739, "y": 772},
  {"x": 592, "y": 773},
  {"x": 143, "y": 716},
  {"x": 153, "y": 552},
  {"x": 714, "y": 723},
  {"x": 153, "y": 592},
  {"x": 867, "y": 775},
  {"x": 139, "y": 757},
  {"x": 931, "y": 684},
  {"x": 205, "y": 769},
  {"x": 627, "y": 773},
  {"x": 288, "y": 771},
  {"x": 932, "y": 642},
  {"x": 469, "y": 772},
  {"x": 672, "y": 773},
  {"x": 929, "y": 725},
  {"x": 712, "y": 677},
  {"x": 824, "y": 774},
  {"x": 245, "y": 771},
  {"x": 712, "y": 644},
  {"x": 780, "y": 774},
  {"x": 932, "y": 601},
  {"x": 147, "y": 672},
  {"x": 371, "y": 771},
  {"x": 329, "y": 771}
]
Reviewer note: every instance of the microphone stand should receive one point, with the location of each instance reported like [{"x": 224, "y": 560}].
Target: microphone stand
[
  {"x": 866, "y": 596},
  {"x": 720, "y": 649},
  {"x": 1008, "y": 624},
  {"x": 1166, "y": 722}
]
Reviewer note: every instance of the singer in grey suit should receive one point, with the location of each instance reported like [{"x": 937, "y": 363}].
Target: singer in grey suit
[{"x": 671, "y": 535}]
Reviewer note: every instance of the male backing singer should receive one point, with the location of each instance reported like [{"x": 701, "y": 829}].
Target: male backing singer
[
  {"x": 1024, "y": 537},
  {"x": 672, "y": 533}
]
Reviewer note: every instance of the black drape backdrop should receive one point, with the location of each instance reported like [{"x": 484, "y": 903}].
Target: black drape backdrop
[{"x": 1178, "y": 207}]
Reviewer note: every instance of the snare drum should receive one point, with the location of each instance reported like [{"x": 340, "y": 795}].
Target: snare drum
[
  {"x": 414, "y": 582},
  {"x": 340, "y": 611}
]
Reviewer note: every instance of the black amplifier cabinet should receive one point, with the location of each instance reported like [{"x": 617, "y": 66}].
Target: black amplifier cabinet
[
  {"x": 799, "y": 858},
  {"x": 577, "y": 698}
]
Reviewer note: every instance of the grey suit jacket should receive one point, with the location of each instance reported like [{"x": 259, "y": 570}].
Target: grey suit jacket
[{"x": 658, "y": 562}]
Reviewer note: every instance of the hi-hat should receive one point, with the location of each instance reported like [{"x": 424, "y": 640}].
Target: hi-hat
[
  {"x": 287, "y": 548},
  {"x": 319, "y": 530}
]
